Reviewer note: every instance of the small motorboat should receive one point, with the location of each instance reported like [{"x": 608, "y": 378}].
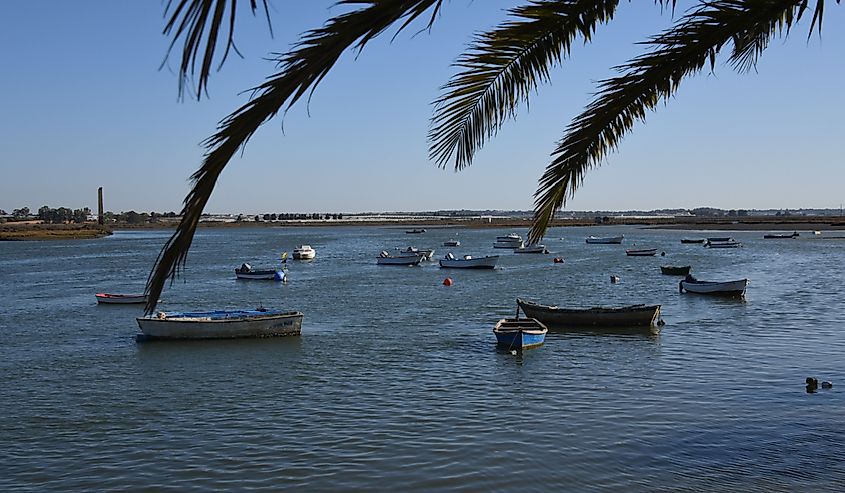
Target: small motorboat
[
  {"x": 727, "y": 243},
  {"x": 385, "y": 258},
  {"x": 411, "y": 251},
  {"x": 451, "y": 243},
  {"x": 120, "y": 299},
  {"x": 692, "y": 240},
  {"x": 534, "y": 248},
  {"x": 519, "y": 333},
  {"x": 671, "y": 270},
  {"x": 605, "y": 240},
  {"x": 512, "y": 240},
  {"x": 220, "y": 324},
  {"x": 304, "y": 252},
  {"x": 778, "y": 236},
  {"x": 415, "y": 231},
  {"x": 647, "y": 252},
  {"x": 727, "y": 288},
  {"x": 245, "y": 271},
  {"x": 469, "y": 262}
]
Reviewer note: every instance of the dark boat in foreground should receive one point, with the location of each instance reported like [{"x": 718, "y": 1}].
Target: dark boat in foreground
[{"x": 591, "y": 318}]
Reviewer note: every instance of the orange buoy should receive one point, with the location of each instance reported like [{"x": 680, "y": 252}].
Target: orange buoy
[{"x": 447, "y": 281}]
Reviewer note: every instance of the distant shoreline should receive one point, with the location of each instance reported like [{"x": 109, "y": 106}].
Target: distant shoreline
[{"x": 29, "y": 231}]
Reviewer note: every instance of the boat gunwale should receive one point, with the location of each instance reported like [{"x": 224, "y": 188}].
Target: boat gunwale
[{"x": 198, "y": 319}]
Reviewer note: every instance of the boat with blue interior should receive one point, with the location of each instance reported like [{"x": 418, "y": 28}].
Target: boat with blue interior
[{"x": 519, "y": 333}]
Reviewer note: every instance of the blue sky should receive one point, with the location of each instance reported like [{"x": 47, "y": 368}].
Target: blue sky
[{"x": 83, "y": 104}]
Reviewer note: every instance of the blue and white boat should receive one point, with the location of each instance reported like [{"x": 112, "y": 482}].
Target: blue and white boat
[
  {"x": 469, "y": 262},
  {"x": 220, "y": 324},
  {"x": 519, "y": 333}
]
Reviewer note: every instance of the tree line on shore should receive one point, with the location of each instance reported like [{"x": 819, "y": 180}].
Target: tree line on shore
[{"x": 65, "y": 215}]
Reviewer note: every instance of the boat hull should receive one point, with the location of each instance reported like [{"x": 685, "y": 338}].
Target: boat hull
[
  {"x": 409, "y": 260},
  {"x": 425, "y": 254},
  {"x": 531, "y": 249},
  {"x": 260, "y": 275},
  {"x": 610, "y": 240},
  {"x": 523, "y": 333},
  {"x": 591, "y": 318},
  {"x": 729, "y": 288},
  {"x": 304, "y": 255},
  {"x": 220, "y": 325},
  {"x": 641, "y": 253},
  {"x": 723, "y": 244},
  {"x": 674, "y": 271},
  {"x": 488, "y": 262},
  {"x": 120, "y": 299}
]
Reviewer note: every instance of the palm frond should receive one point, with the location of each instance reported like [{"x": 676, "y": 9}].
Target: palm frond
[
  {"x": 502, "y": 67},
  {"x": 200, "y": 22},
  {"x": 681, "y": 51},
  {"x": 301, "y": 69}
]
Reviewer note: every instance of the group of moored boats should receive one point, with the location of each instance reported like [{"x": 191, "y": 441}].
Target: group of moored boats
[
  {"x": 220, "y": 324},
  {"x": 513, "y": 333}
]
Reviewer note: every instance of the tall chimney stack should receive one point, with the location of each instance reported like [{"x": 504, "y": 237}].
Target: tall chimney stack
[{"x": 100, "y": 219}]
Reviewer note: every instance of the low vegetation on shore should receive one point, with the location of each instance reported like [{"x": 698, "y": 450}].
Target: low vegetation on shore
[{"x": 29, "y": 231}]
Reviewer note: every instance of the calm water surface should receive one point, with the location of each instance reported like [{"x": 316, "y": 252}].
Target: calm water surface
[{"x": 396, "y": 381}]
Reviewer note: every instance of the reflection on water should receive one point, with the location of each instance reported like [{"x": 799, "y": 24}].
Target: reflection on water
[{"x": 397, "y": 381}]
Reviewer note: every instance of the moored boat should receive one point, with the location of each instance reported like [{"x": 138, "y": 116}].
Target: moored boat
[
  {"x": 519, "y": 333},
  {"x": 592, "y": 318},
  {"x": 719, "y": 239},
  {"x": 220, "y": 324},
  {"x": 120, "y": 299},
  {"x": 245, "y": 271},
  {"x": 412, "y": 251},
  {"x": 605, "y": 240},
  {"x": 385, "y": 258},
  {"x": 469, "y": 262},
  {"x": 779, "y": 236},
  {"x": 646, "y": 252},
  {"x": 415, "y": 231},
  {"x": 727, "y": 243},
  {"x": 304, "y": 252},
  {"x": 534, "y": 248},
  {"x": 452, "y": 243},
  {"x": 671, "y": 270},
  {"x": 726, "y": 288},
  {"x": 692, "y": 240},
  {"x": 512, "y": 240}
]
